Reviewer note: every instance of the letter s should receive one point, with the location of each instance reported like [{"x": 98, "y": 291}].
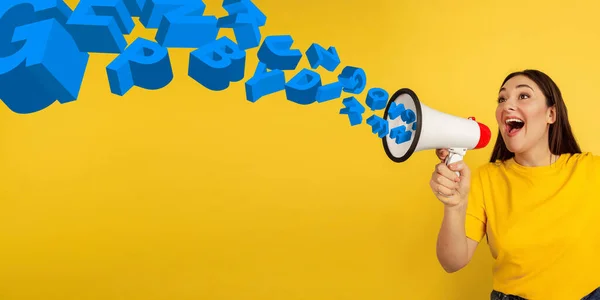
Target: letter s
[{"x": 39, "y": 60}]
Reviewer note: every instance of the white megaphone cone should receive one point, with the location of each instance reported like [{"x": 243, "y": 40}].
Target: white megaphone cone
[{"x": 415, "y": 127}]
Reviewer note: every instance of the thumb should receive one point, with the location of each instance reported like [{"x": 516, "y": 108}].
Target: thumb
[{"x": 441, "y": 153}]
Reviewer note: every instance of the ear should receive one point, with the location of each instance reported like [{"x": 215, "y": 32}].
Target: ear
[{"x": 551, "y": 115}]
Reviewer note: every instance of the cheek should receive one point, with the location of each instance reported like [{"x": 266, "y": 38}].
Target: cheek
[
  {"x": 498, "y": 114},
  {"x": 536, "y": 119}
]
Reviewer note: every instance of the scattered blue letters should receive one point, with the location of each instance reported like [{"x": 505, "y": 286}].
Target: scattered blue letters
[
  {"x": 40, "y": 62},
  {"x": 234, "y": 7},
  {"x": 245, "y": 19},
  {"x": 395, "y": 110},
  {"x": 318, "y": 56},
  {"x": 186, "y": 26},
  {"x": 303, "y": 87},
  {"x": 264, "y": 83},
  {"x": 44, "y": 54},
  {"x": 99, "y": 25},
  {"x": 135, "y": 7},
  {"x": 154, "y": 11},
  {"x": 329, "y": 91},
  {"x": 354, "y": 80},
  {"x": 217, "y": 64},
  {"x": 400, "y": 134},
  {"x": 377, "y": 98},
  {"x": 353, "y": 109},
  {"x": 144, "y": 64},
  {"x": 408, "y": 116},
  {"x": 277, "y": 54},
  {"x": 379, "y": 126}
]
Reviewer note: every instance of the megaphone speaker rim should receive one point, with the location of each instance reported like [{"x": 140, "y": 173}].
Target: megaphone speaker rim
[{"x": 417, "y": 131}]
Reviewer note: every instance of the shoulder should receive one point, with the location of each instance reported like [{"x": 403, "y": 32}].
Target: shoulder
[
  {"x": 581, "y": 158},
  {"x": 487, "y": 171},
  {"x": 490, "y": 168}
]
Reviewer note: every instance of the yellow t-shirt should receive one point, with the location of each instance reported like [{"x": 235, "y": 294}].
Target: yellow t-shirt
[{"x": 542, "y": 225}]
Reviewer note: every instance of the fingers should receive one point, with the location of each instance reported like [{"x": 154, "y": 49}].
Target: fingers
[
  {"x": 443, "y": 170},
  {"x": 443, "y": 181},
  {"x": 442, "y": 189},
  {"x": 445, "y": 192},
  {"x": 446, "y": 184}
]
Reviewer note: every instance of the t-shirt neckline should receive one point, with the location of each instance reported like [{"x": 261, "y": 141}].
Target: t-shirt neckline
[{"x": 554, "y": 166}]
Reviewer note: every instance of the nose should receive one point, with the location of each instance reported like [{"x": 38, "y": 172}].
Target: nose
[{"x": 509, "y": 105}]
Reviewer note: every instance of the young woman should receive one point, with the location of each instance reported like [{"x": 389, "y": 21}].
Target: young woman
[{"x": 536, "y": 201}]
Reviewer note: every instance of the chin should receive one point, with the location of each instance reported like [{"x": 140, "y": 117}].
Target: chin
[
  {"x": 513, "y": 149},
  {"x": 513, "y": 146}
]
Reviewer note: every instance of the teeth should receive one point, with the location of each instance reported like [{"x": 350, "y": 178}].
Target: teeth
[{"x": 513, "y": 120}]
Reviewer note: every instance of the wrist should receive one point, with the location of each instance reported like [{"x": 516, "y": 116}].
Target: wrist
[{"x": 459, "y": 207}]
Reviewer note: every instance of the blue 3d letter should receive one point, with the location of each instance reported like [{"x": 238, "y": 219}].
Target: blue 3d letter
[
  {"x": 217, "y": 64},
  {"x": 245, "y": 19},
  {"x": 275, "y": 52},
  {"x": 318, "y": 56},
  {"x": 379, "y": 126},
  {"x": 144, "y": 63},
  {"x": 39, "y": 61},
  {"x": 395, "y": 110},
  {"x": 234, "y": 7},
  {"x": 135, "y": 7},
  {"x": 303, "y": 87},
  {"x": 400, "y": 134},
  {"x": 353, "y": 109},
  {"x": 180, "y": 23},
  {"x": 99, "y": 25},
  {"x": 353, "y": 79},
  {"x": 377, "y": 98},
  {"x": 329, "y": 91},
  {"x": 264, "y": 83}
]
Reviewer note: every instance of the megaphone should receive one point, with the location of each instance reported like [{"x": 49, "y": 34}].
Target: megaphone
[{"x": 414, "y": 127}]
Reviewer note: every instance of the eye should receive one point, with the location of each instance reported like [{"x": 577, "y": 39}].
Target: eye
[
  {"x": 501, "y": 99},
  {"x": 524, "y": 96}
]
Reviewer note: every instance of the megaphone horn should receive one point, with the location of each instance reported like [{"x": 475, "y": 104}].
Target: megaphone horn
[{"x": 414, "y": 127}]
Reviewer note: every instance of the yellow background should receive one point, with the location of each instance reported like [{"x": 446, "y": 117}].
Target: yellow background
[{"x": 186, "y": 193}]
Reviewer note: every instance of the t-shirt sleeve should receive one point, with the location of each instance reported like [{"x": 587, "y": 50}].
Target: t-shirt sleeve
[
  {"x": 595, "y": 166},
  {"x": 476, "y": 219},
  {"x": 596, "y": 160}
]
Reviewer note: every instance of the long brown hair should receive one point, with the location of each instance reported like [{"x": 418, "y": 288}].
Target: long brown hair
[{"x": 560, "y": 136}]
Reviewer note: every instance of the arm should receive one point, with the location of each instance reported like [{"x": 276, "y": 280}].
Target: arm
[{"x": 454, "y": 248}]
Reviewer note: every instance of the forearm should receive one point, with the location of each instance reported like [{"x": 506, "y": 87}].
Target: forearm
[{"x": 452, "y": 250}]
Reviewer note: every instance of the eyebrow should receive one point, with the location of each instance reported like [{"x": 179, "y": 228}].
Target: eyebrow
[{"x": 518, "y": 86}]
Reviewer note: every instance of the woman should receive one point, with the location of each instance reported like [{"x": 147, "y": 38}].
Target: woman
[{"x": 536, "y": 200}]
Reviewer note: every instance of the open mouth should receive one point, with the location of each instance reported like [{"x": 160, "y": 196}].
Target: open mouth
[{"x": 513, "y": 126}]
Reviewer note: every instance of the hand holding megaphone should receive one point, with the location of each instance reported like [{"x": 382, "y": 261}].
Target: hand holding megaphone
[{"x": 450, "y": 182}]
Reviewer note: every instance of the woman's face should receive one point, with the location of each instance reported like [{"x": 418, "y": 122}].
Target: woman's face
[{"x": 522, "y": 115}]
